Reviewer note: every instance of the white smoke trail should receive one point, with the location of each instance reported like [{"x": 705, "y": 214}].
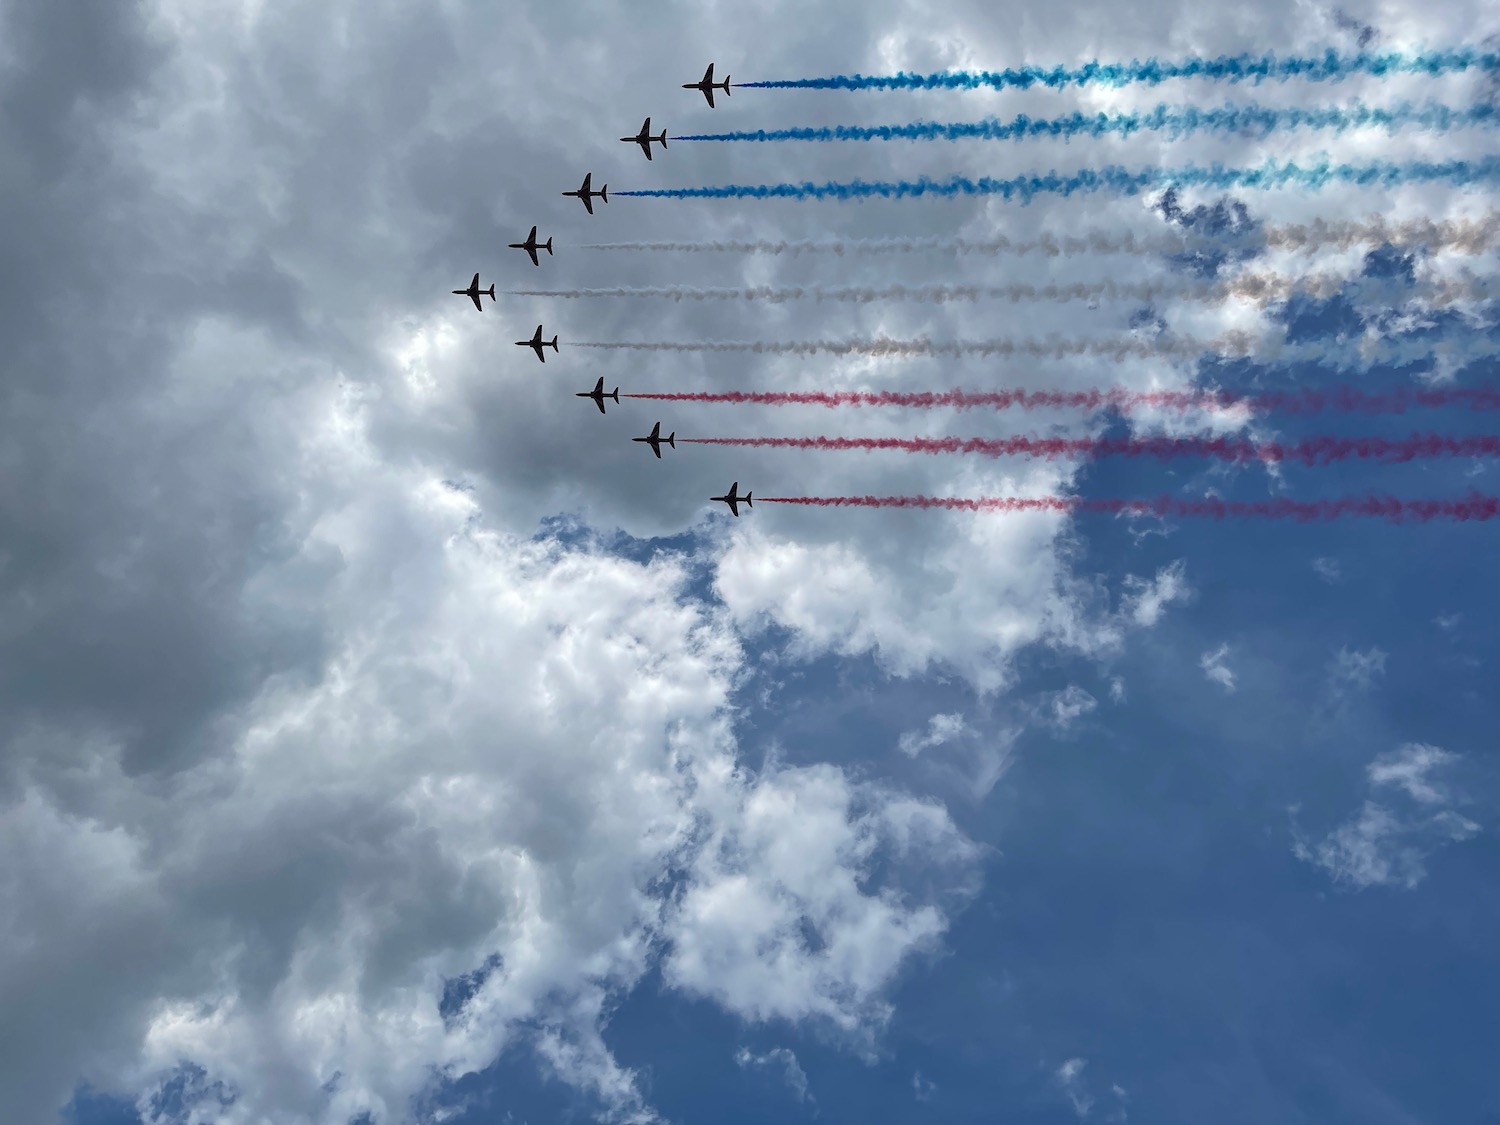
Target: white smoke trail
[
  {"x": 1340, "y": 355},
  {"x": 1261, "y": 289},
  {"x": 1464, "y": 236}
]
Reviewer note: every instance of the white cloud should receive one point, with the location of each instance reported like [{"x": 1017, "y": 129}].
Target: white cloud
[
  {"x": 922, "y": 1088},
  {"x": 1069, "y": 1078},
  {"x": 1408, "y": 768},
  {"x": 1215, "y": 669},
  {"x": 1352, "y": 668},
  {"x": 1061, "y": 709},
  {"x": 1380, "y": 847},
  {"x": 1147, "y": 601},
  {"x": 773, "y": 924},
  {"x": 1327, "y": 569},
  {"x": 781, "y": 1060},
  {"x": 941, "y": 729}
]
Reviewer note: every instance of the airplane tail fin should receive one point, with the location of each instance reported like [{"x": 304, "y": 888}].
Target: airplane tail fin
[
  {"x": 549, "y": 246},
  {"x": 726, "y": 85},
  {"x": 663, "y": 138},
  {"x": 748, "y": 504},
  {"x": 672, "y": 439},
  {"x": 490, "y": 292},
  {"x": 616, "y": 396},
  {"x": 604, "y": 193},
  {"x": 553, "y": 343}
]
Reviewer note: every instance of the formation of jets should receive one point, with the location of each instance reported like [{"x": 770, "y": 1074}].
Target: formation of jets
[
  {"x": 644, "y": 138},
  {"x": 586, "y": 195}
]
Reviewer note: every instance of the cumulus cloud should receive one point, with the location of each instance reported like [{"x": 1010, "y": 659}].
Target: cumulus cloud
[
  {"x": 1384, "y": 847},
  {"x": 774, "y": 924}
]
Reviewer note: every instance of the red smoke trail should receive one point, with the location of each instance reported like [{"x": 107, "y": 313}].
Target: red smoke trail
[
  {"x": 1344, "y": 399},
  {"x": 1475, "y": 506},
  {"x": 1321, "y": 450}
]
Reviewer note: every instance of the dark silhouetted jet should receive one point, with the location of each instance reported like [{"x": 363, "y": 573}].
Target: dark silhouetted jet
[
  {"x": 598, "y": 395},
  {"x": 708, "y": 85},
  {"x": 654, "y": 440},
  {"x": 531, "y": 246},
  {"x": 644, "y": 138},
  {"x": 733, "y": 499},
  {"x": 538, "y": 343},
  {"x": 587, "y": 194},
  {"x": 473, "y": 292}
]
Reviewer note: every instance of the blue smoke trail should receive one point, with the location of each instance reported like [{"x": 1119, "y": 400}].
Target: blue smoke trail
[
  {"x": 1329, "y": 67},
  {"x": 1176, "y": 123},
  {"x": 1109, "y": 178}
]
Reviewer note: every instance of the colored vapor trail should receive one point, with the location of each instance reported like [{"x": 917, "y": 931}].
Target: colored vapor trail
[
  {"x": 1475, "y": 506},
  {"x": 1179, "y": 122},
  {"x": 1323, "y": 450},
  {"x": 1238, "y": 344},
  {"x": 1272, "y": 174},
  {"x": 1263, "y": 289},
  {"x": 1464, "y": 236},
  {"x": 1330, "y": 66},
  {"x": 1345, "y": 399}
]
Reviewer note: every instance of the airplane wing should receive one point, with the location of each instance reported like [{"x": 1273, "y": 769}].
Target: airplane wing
[
  {"x": 532, "y": 251},
  {"x": 475, "y": 283},
  {"x": 475, "y": 298},
  {"x": 588, "y": 203}
]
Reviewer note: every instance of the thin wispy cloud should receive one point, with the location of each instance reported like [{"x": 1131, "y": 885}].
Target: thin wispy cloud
[{"x": 1214, "y": 666}]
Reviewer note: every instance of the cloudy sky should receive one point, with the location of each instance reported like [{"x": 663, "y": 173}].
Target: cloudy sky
[{"x": 387, "y": 739}]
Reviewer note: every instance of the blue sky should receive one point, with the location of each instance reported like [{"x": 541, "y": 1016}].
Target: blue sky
[{"x": 388, "y": 741}]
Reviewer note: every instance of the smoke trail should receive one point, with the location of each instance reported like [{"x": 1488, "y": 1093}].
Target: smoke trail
[
  {"x": 1465, "y": 236},
  {"x": 1346, "y": 399},
  {"x": 1340, "y": 355},
  {"x": 1328, "y": 67},
  {"x": 1272, "y": 174},
  {"x": 1176, "y": 123},
  {"x": 1263, "y": 289},
  {"x": 1322, "y": 450},
  {"x": 1476, "y": 506}
]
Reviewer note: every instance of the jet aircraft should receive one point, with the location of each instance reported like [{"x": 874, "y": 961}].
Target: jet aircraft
[
  {"x": 588, "y": 195},
  {"x": 473, "y": 292},
  {"x": 644, "y": 138},
  {"x": 531, "y": 246},
  {"x": 708, "y": 85},
  {"x": 733, "y": 499},
  {"x": 598, "y": 395},
  {"x": 654, "y": 439},
  {"x": 538, "y": 343}
]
